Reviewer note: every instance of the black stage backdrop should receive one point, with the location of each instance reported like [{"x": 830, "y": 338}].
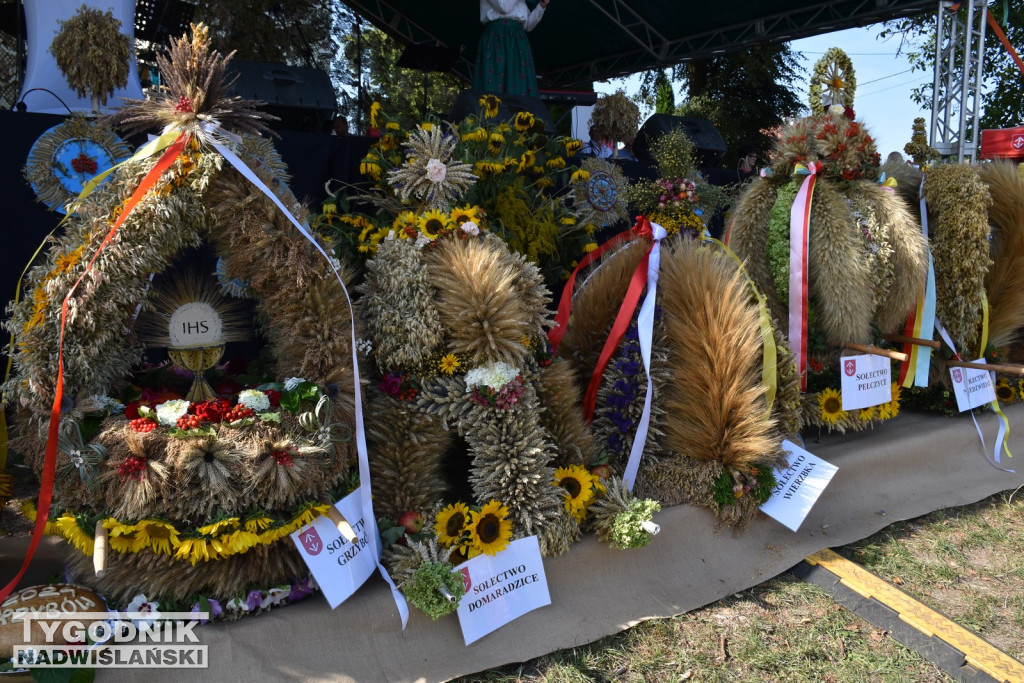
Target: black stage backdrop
[{"x": 312, "y": 159}]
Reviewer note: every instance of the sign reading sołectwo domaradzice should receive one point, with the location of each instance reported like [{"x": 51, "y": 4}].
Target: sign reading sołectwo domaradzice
[{"x": 501, "y": 588}]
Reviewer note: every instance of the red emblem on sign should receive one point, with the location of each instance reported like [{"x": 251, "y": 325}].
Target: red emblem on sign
[
  {"x": 466, "y": 581},
  {"x": 311, "y": 541},
  {"x": 958, "y": 375},
  {"x": 1017, "y": 142},
  {"x": 850, "y": 366}
]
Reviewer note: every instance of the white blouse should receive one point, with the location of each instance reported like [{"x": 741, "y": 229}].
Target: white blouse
[{"x": 510, "y": 9}]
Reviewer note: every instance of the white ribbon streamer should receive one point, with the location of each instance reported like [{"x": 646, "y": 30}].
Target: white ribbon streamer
[
  {"x": 645, "y": 331},
  {"x": 373, "y": 534},
  {"x": 924, "y": 353},
  {"x": 1002, "y": 425}
]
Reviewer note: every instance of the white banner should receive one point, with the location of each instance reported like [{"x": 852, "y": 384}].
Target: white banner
[
  {"x": 972, "y": 387},
  {"x": 501, "y": 588},
  {"x": 799, "y": 486},
  {"x": 865, "y": 381},
  {"x": 340, "y": 567}
]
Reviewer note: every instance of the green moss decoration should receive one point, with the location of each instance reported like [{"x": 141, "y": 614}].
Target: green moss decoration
[
  {"x": 918, "y": 148},
  {"x": 777, "y": 248},
  {"x": 424, "y": 589},
  {"x": 92, "y": 53},
  {"x": 626, "y": 531}
]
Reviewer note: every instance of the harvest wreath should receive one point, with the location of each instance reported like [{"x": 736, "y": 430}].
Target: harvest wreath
[{"x": 195, "y": 489}]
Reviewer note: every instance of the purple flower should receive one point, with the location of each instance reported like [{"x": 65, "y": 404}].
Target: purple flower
[
  {"x": 254, "y": 599},
  {"x": 300, "y": 590},
  {"x": 391, "y": 385},
  {"x": 215, "y": 610}
]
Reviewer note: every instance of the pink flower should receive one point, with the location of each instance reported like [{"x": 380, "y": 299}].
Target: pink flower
[{"x": 436, "y": 170}]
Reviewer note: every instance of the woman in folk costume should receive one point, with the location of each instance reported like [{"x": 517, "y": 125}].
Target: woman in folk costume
[{"x": 504, "y": 62}]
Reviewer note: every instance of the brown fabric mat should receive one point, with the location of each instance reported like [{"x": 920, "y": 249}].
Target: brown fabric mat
[{"x": 900, "y": 470}]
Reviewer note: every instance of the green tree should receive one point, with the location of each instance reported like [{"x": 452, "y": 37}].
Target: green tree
[
  {"x": 746, "y": 94},
  {"x": 664, "y": 96},
  {"x": 1002, "y": 82},
  {"x": 370, "y": 56}
]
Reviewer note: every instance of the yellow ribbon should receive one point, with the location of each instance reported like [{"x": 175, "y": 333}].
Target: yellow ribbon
[
  {"x": 149, "y": 149},
  {"x": 770, "y": 362},
  {"x": 995, "y": 402}
]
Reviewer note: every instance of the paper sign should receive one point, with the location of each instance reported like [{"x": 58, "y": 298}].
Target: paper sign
[
  {"x": 339, "y": 567},
  {"x": 799, "y": 486},
  {"x": 501, "y": 588},
  {"x": 865, "y": 381},
  {"x": 972, "y": 387}
]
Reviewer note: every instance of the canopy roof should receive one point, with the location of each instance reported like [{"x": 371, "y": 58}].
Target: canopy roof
[{"x": 580, "y": 41}]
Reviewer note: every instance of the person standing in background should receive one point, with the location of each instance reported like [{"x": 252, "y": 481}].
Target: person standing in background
[{"x": 504, "y": 61}]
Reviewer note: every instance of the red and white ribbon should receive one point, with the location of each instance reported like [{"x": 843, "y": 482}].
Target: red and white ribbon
[{"x": 799, "y": 229}]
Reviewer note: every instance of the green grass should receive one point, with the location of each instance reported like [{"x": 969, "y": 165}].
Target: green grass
[{"x": 967, "y": 563}]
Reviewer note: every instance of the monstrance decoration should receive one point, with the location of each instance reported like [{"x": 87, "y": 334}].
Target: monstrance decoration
[{"x": 194, "y": 320}]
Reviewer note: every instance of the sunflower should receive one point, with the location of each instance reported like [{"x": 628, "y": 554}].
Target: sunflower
[
  {"x": 524, "y": 121},
  {"x": 495, "y": 142},
  {"x": 490, "y": 529},
  {"x": 465, "y": 213},
  {"x": 161, "y": 537},
  {"x": 527, "y": 161},
  {"x": 478, "y": 135},
  {"x": 1005, "y": 392},
  {"x": 830, "y": 404},
  {"x": 125, "y": 542},
  {"x": 489, "y": 106},
  {"x": 67, "y": 524},
  {"x": 196, "y": 549},
  {"x": 258, "y": 524},
  {"x": 451, "y": 523},
  {"x": 240, "y": 541},
  {"x": 885, "y": 411},
  {"x": 580, "y": 176},
  {"x": 572, "y": 147},
  {"x": 433, "y": 222},
  {"x": 866, "y": 414},
  {"x": 449, "y": 363},
  {"x": 556, "y": 163},
  {"x": 215, "y": 528},
  {"x": 579, "y": 488},
  {"x": 370, "y": 167}
]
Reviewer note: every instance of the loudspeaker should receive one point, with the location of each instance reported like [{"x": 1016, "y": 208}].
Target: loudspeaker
[
  {"x": 468, "y": 102},
  {"x": 707, "y": 142},
  {"x": 301, "y": 97}
]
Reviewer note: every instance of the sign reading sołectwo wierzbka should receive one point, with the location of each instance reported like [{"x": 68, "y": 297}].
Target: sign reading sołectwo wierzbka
[
  {"x": 865, "y": 381},
  {"x": 798, "y": 486},
  {"x": 501, "y": 588},
  {"x": 339, "y": 566},
  {"x": 972, "y": 387}
]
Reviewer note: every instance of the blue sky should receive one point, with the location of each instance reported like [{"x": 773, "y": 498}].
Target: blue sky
[{"x": 884, "y": 82}]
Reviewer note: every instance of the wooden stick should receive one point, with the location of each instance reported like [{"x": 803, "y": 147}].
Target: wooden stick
[
  {"x": 876, "y": 351},
  {"x": 1008, "y": 369},
  {"x": 99, "y": 550},
  {"x": 339, "y": 521},
  {"x": 903, "y": 339}
]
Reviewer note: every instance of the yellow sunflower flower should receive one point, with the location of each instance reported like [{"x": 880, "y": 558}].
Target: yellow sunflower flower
[
  {"x": 524, "y": 121},
  {"x": 462, "y": 214},
  {"x": 495, "y": 142},
  {"x": 449, "y": 364},
  {"x": 579, "y": 488},
  {"x": 490, "y": 530},
  {"x": 240, "y": 541},
  {"x": 589, "y": 247},
  {"x": 451, "y": 523},
  {"x": 391, "y": 125},
  {"x": 557, "y": 163},
  {"x": 67, "y": 525},
  {"x": 370, "y": 168},
  {"x": 580, "y": 176},
  {"x": 866, "y": 414},
  {"x": 161, "y": 537},
  {"x": 527, "y": 161},
  {"x": 388, "y": 142},
  {"x": 504, "y": 128},
  {"x": 125, "y": 542},
  {"x": 489, "y": 106},
  {"x": 215, "y": 528},
  {"x": 478, "y": 135},
  {"x": 885, "y": 411},
  {"x": 1005, "y": 391},
  {"x": 258, "y": 524},
  {"x": 830, "y": 405},
  {"x": 544, "y": 183},
  {"x": 572, "y": 147},
  {"x": 196, "y": 549},
  {"x": 433, "y": 222}
]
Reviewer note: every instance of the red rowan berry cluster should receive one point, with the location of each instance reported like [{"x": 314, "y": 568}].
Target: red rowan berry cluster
[{"x": 142, "y": 424}]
